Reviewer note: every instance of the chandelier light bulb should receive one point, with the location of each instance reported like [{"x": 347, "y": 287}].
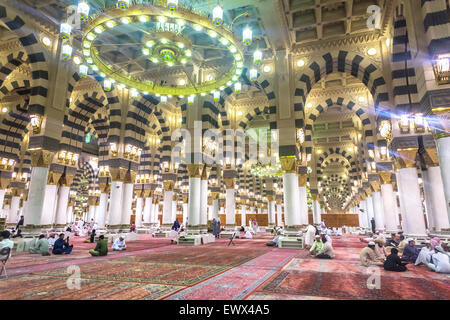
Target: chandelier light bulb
[
  {"x": 64, "y": 30},
  {"x": 217, "y": 15},
  {"x": 83, "y": 10},
  {"x": 247, "y": 36}
]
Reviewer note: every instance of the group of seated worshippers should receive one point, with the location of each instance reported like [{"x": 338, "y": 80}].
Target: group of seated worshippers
[
  {"x": 274, "y": 242},
  {"x": 432, "y": 255},
  {"x": 101, "y": 249},
  {"x": 322, "y": 247},
  {"x": 58, "y": 246},
  {"x": 62, "y": 246}
]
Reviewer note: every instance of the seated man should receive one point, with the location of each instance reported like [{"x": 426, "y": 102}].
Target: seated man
[
  {"x": 425, "y": 254},
  {"x": 41, "y": 246},
  {"x": 402, "y": 244},
  {"x": 5, "y": 241},
  {"x": 410, "y": 252},
  {"x": 316, "y": 247},
  {"x": 274, "y": 242},
  {"x": 327, "y": 250},
  {"x": 368, "y": 256},
  {"x": 440, "y": 261},
  {"x": 62, "y": 246},
  {"x": 393, "y": 262},
  {"x": 380, "y": 250},
  {"x": 119, "y": 244},
  {"x": 101, "y": 249},
  {"x": 51, "y": 241},
  {"x": 394, "y": 241},
  {"x": 248, "y": 234}
]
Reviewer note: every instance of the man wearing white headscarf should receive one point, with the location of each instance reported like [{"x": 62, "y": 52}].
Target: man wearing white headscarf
[
  {"x": 440, "y": 261},
  {"x": 309, "y": 236},
  {"x": 425, "y": 254},
  {"x": 119, "y": 244}
]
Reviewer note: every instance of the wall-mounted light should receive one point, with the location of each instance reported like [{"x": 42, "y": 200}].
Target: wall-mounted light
[
  {"x": 441, "y": 67},
  {"x": 404, "y": 123},
  {"x": 35, "y": 121}
]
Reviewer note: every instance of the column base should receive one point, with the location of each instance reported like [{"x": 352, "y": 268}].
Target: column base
[
  {"x": 118, "y": 228},
  {"x": 295, "y": 228}
]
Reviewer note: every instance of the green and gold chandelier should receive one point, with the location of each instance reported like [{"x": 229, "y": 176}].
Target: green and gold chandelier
[{"x": 160, "y": 48}]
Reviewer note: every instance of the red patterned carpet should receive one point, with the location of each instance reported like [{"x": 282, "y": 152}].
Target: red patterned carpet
[{"x": 155, "y": 269}]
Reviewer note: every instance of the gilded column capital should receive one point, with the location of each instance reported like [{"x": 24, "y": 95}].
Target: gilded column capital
[
  {"x": 229, "y": 183},
  {"x": 93, "y": 201},
  {"x": 215, "y": 195},
  {"x": 431, "y": 157},
  {"x": 270, "y": 198},
  {"x": 168, "y": 185},
  {"x": 4, "y": 182},
  {"x": 41, "y": 158},
  {"x": 53, "y": 177},
  {"x": 16, "y": 192},
  {"x": 130, "y": 176},
  {"x": 288, "y": 164},
  {"x": 118, "y": 174},
  {"x": 205, "y": 172},
  {"x": 194, "y": 170},
  {"x": 105, "y": 187},
  {"x": 385, "y": 177},
  {"x": 314, "y": 197},
  {"x": 407, "y": 157},
  {"x": 375, "y": 185},
  {"x": 302, "y": 178},
  {"x": 66, "y": 180}
]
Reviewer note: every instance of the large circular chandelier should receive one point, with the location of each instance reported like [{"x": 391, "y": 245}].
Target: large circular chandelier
[{"x": 161, "y": 49}]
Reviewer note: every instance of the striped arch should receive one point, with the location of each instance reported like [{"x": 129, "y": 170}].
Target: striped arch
[
  {"x": 84, "y": 171},
  {"x": 100, "y": 124},
  {"x": 402, "y": 87},
  {"x": 137, "y": 123},
  {"x": 369, "y": 133},
  {"x": 148, "y": 105},
  {"x": 36, "y": 57},
  {"x": 341, "y": 61},
  {"x": 333, "y": 153},
  {"x": 14, "y": 60},
  {"x": 77, "y": 118}
]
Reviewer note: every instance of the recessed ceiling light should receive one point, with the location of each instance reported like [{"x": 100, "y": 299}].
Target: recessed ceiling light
[
  {"x": 182, "y": 82},
  {"x": 267, "y": 69},
  {"x": 361, "y": 99},
  {"x": 46, "y": 41},
  {"x": 76, "y": 60},
  {"x": 309, "y": 105},
  {"x": 300, "y": 63},
  {"x": 372, "y": 51}
]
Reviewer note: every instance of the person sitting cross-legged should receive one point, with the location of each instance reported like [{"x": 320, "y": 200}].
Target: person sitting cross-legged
[
  {"x": 327, "y": 249},
  {"x": 368, "y": 256},
  {"x": 119, "y": 244},
  {"x": 317, "y": 246},
  {"x": 101, "y": 249},
  {"x": 62, "y": 246},
  {"x": 393, "y": 262},
  {"x": 41, "y": 246},
  {"x": 410, "y": 252}
]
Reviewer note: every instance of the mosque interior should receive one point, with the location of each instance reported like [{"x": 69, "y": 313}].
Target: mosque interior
[{"x": 125, "y": 115}]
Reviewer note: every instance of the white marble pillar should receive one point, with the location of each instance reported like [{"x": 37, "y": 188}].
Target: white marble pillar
[
  {"x": 279, "y": 215},
  {"x": 215, "y": 208},
  {"x": 148, "y": 211},
  {"x": 389, "y": 207},
  {"x": 291, "y": 200},
  {"x": 230, "y": 207},
  {"x": 36, "y": 194},
  {"x": 2, "y": 198},
  {"x": 13, "y": 210},
  {"x": 91, "y": 213},
  {"x": 69, "y": 215},
  {"x": 127, "y": 203},
  {"x": 363, "y": 221},
  {"x": 100, "y": 215},
  {"x": 185, "y": 212},
  {"x": 271, "y": 213},
  {"x": 316, "y": 212},
  {"x": 443, "y": 148},
  {"x": 49, "y": 204},
  {"x": 369, "y": 210},
  {"x": 167, "y": 208},
  {"x": 412, "y": 212},
  {"x": 194, "y": 201},
  {"x": 244, "y": 215},
  {"x": 303, "y": 204},
  {"x": 203, "y": 202},
  {"x": 435, "y": 196},
  {"x": 61, "y": 208},
  {"x": 115, "y": 204},
  {"x": 139, "y": 211},
  {"x": 378, "y": 210},
  {"x": 174, "y": 210}
]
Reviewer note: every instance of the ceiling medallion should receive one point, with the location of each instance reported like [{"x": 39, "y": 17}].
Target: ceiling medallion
[{"x": 162, "y": 39}]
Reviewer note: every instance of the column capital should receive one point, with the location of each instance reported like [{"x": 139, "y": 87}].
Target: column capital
[
  {"x": 385, "y": 176},
  {"x": 41, "y": 158},
  {"x": 229, "y": 183},
  {"x": 288, "y": 164},
  {"x": 215, "y": 195},
  {"x": 93, "y": 201},
  {"x": 194, "y": 170},
  {"x": 375, "y": 185},
  {"x": 118, "y": 174},
  {"x": 105, "y": 187},
  {"x": 302, "y": 178},
  {"x": 168, "y": 185},
  {"x": 431, "y": 157},
  {"x": 66, "y": 180},
  {"x": 270, "y": 198},
  {"x": 53, "y": 177},
  {"x": 314, "y": 196},
  {"x": 205, "y": 172},
  {"x": 407, "y": 157}
]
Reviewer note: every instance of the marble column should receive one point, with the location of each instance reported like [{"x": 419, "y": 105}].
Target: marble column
[
  {"x": 435, "y": 196},
  {"x": 443, "y": 149},
  {"x": 91, "y": 213},
  {"x": 303, "y": 201},
  {"x": 167, "y": 203},
  {"x": 292, "y": 214},
  {"x": 69, "y": 214},
  {"x": 230, "y": 207},
  {"x": 127, "y": 203},
  {"x": 412, "y": 211},
  {"x": 271, "y": 213},
  {"x": 279, "y": 214},
  {"x": 115, "y": 204},
  {"x": 194, "y": 171},
  {"x": 139, "y": 211},
  {"x": 50, "y": 201},
  {"x": 100, "y": 215},
  {"x": 185, "y": 211},
  {"x": 204, "y": 198},
  {"x": 244, "y": 215},
  {"x": 148, "y": 206},
  {"x": 316, "y": 210},
  {"x": 13, "y": 214},
  {"x": 61, "y": 209},
  {"x": 2, "y": 199},
  {"x": 174, "y": 207},
  {"x": 378, "y": 210},
  {"x": 389, "y": 202},
  {"x": 369, "y": 209},
  {"x": 215, "y": 205}
]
